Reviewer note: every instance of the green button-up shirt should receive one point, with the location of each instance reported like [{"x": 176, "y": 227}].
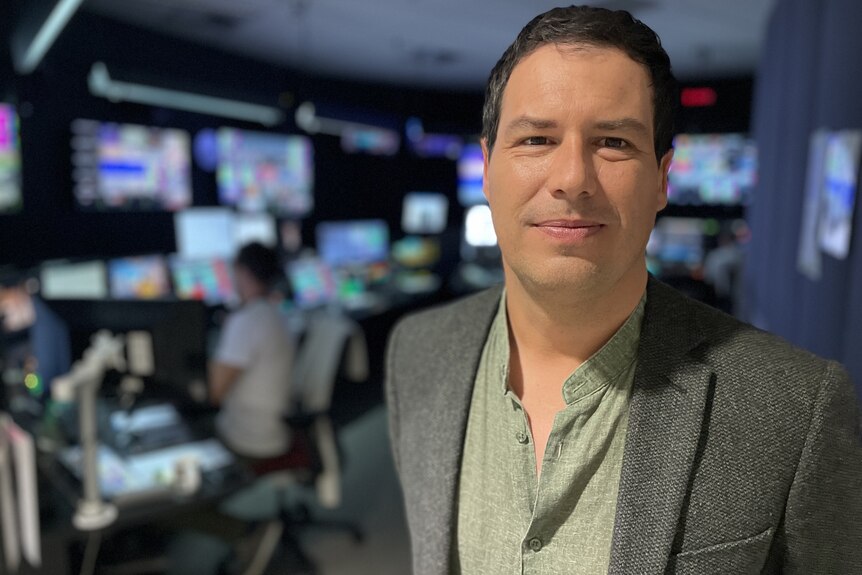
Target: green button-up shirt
[{"x": 508, "y": 520}]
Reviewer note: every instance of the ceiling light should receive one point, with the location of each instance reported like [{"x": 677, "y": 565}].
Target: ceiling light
[
  {"x": 101, "y": 84},
  {"x": 47, "y": 34}
]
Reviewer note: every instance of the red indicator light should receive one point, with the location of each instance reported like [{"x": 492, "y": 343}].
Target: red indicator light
[{"x": 698, "y": 97}]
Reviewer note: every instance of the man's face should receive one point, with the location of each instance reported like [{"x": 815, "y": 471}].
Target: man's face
[{"x": 573, "y": 181}]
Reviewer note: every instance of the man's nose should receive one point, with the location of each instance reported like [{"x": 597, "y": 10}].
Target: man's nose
[{"x": 571, "y": 171}]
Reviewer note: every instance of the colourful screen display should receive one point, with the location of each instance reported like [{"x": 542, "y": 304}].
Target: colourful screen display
[
  {"x": 356, "y": 242},
  {"x": 130, "y": 167},
  {"x": 143, "y": 277},
  {"x": 206, "y": 280},
  {"x": 470, "y": 171},
  {"x": 312, "y": 282},
  {"x": 677, "y": 242},
  {"x": 265, "y": 172},
  {"x": 712, "y": 169},
  {"x": 10, "y": 160}
]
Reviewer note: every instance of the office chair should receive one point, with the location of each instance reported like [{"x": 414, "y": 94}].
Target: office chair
[{"x": 333, "y": 345}]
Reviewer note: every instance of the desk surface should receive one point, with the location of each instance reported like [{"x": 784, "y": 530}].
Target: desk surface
[{"x": 59, "y": 490}]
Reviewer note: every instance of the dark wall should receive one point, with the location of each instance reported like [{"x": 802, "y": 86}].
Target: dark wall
[
  {"x": 347, "y": 186},
  {"x": 809, "y": 79}
]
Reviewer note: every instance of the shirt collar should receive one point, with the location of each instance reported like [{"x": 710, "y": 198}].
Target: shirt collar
[{"x": 597, "y": 372}]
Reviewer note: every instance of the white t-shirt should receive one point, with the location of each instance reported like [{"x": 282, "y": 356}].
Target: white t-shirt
[{"x": 255, "y": 339}]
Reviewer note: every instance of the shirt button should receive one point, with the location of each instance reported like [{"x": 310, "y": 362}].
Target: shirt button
[
  {"x": 535, "y": 544},
  {"x": 522, "y": 437}
]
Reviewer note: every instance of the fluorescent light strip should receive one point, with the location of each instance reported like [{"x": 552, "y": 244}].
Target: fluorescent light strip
[
  {"x": 44, "y": 39},
  {"x": 308, "y": 120},
  {"x": 101, "y": 84}
]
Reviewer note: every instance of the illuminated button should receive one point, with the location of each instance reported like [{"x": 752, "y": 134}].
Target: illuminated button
[
  {"x": 535, "y": 544},
  {"x": 522, "y": 437}
]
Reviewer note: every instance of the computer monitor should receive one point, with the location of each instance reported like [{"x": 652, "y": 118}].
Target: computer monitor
[
  {"x": 205, "y": 233},
  {"x": 265, "y": 172},
  {"x": 352, "y": 242},
  {"x": 479, "y": 241},
  {"x": 130, "y": 167},
  {"x": 74, "y": 280},
  {"x": 416, "y": 251},
  {"x": 677, "y": 243},
  {"x": 424, "y": 213},
  {"x": 471, "y": 166},
  {"x": 142, "y": 277},
  {"x": 10, "y": 161},
  {"x": 712, "y": 169},
  {"x": 177, "y": 329},
  {"x": 312, "y": 282},
  {"x": 210, "y": 281}
]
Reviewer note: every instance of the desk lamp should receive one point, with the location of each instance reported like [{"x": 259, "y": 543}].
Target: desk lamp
[{"x": 85, "y": 379}]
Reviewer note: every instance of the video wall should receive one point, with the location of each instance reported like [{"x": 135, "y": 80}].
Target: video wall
[
  {"x": 10, "y": 161},
  {"x": 712, "y": 170}
]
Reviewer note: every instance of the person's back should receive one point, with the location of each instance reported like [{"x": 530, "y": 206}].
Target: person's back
[
  {"x": 250, "y": 373},
  {"x": 251, "y": 416}
]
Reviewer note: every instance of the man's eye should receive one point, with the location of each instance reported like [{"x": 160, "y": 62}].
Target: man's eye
[
  {"x": 536, "y": 141},
  {"x": 616, "y": 143}
]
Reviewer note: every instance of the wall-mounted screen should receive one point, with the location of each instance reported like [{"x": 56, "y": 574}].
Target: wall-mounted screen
[
  {"x": 354, "y": 242},
  {"x": 424, "y": 213},
  {"x": 712, "y": 169},
  {"x": 471, "y": 166},
  {"x": 10, "y": 161},
  {"x": 143, "y": 277},
  {"x": 205, "y": 233},
  {"x": 265, "y": 172},
  {"x": 130, "y": 167},
  {"x": 208, "y": 280}
]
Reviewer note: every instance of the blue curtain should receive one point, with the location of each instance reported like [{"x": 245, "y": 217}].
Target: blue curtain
[{"x": 810, "y": 77}]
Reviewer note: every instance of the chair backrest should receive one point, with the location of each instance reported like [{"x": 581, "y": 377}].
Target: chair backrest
[{"x": 319, "y": 358}]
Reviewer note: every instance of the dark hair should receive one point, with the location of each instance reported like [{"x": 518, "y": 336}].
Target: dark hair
[
  {"x": 261, "y": 262},
  {"x": 589, "y": 26}
]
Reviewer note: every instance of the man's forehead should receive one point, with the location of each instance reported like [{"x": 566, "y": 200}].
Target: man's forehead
[{"x": 541, "y": 77}]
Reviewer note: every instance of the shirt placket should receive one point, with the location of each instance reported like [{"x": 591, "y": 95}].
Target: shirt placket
[{"x": 534, "y": 553}]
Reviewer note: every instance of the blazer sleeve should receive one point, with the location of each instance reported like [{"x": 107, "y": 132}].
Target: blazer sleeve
[
  {"x": 391, "y": 394},
  {"x": 823, "y": 517}
]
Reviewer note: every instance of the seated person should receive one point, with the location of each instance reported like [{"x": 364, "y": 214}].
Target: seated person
[{"x": 249, "y": 376}]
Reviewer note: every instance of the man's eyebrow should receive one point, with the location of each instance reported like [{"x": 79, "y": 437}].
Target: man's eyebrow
[
  {"x": 530, "y": 123},
  {"x": 623, "y": 124}
]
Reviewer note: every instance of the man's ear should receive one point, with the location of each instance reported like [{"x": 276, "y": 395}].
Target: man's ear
[
  {"x": 486, "y": 158},
  {"x": 663, "y": 169}
]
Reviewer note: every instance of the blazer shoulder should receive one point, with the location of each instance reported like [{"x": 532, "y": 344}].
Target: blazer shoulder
[
  {"x": 747, "y": 354},
  {"x": 426, "y": 327}
]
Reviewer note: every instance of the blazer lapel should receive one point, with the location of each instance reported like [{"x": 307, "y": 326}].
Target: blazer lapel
[
  {"x": 669, "y": 399},
  {"x": 444, "y": 424}
]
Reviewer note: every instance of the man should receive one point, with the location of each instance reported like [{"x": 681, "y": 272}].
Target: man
[
  {"x": 249, "y": 376},
  {"x": 588, "y": 419}
]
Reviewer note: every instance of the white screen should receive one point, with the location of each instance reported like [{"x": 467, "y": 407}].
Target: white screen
[
  {"x": 205, "y": 233},
  {"x": 85, "y": 280}
]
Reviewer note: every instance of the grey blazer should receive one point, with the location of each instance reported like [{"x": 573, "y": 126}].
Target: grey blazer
[{"x": 743, "y": 453}]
